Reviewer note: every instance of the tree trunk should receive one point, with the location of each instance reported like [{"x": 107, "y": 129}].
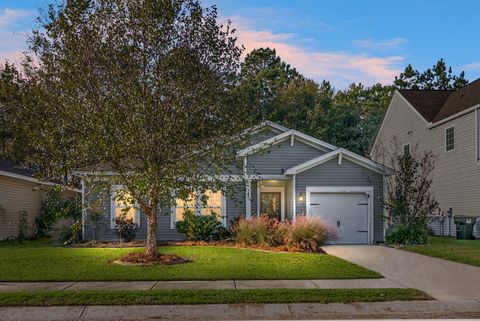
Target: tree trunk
[{"x": 151, "y": 246}]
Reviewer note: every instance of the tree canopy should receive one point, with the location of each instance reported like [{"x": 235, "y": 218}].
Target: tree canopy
[
  {"x": 142, "y": 88},
  {"x": 437, "y": 77}
]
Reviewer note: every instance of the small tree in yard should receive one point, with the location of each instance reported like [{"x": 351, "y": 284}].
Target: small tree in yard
[
  {"x": 410, "y": 202},
  {"x": 142, "y": 88}
]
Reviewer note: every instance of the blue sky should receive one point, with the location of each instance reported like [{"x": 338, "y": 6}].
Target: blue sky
[{"x": 343, "y": 41}]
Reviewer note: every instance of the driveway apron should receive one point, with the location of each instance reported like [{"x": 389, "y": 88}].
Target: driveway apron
[{"x": 442, "y": 279}]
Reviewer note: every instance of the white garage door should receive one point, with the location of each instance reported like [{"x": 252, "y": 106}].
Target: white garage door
[{"x": 347, "y": 213}]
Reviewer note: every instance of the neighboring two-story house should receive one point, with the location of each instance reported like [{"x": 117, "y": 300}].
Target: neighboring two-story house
[{"x": 445, "y": 122}]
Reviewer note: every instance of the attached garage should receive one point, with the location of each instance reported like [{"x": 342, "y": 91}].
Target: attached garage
[{"x": 347, "y": 210}]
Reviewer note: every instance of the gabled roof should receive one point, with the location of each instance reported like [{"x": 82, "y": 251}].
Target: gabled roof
[
  {"x": 437, "y": 105},
  {"x": 320, "y": 144},
  {"x": 427, "y": 102},
  {"x": 341, "y": 153}
]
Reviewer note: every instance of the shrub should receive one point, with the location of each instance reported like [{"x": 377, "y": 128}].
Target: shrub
[
  {"x": 126, "y": 228},
  {"x": 407, "y": 235},
  {"x": 72, "y": 235},
  {"x": 253, "y": 231},
  {"x": 308, "y": 234},
  {"x": 277, "y": 232},
  {"x": 200, "y": 228},
  {"x": 55, "y": 207}
]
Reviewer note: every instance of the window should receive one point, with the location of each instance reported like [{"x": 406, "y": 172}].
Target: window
[
  {"x": 406, "y": 149},
  {"x": 450, "y": 138},
  {"x": 199, "y": 204},
  {"x": 122, "y": 204}
]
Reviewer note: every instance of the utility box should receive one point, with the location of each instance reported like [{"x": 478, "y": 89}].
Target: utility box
[{"x": 465, "y": 227}]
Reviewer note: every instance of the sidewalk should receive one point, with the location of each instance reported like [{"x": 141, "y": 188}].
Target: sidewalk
[
  {"x": 196, "y": 285},
  {"x": 298, "y": 311}
]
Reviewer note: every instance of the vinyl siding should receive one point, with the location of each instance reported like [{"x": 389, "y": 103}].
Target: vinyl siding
[
  {"x": 456, "y": 177},
  {"x": 16, "y": 196},
  {"x": 235, "y": 207},
  {"x": 280, "y": 157},
  {"x": 347, "y": 174}
]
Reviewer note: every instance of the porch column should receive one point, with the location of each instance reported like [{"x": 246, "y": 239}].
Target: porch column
[
  {"x": 294, "y": 193},
  {"x": 248, "y": 190}
]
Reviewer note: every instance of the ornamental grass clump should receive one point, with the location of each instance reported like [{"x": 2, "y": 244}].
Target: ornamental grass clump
[
  {"x": 252, "y": 231},
  {"x": 305, "y": 234},
  {"x": 308, "y": 234}
]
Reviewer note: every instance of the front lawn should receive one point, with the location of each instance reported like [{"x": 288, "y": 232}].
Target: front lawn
[
  {"x": 449, "y": 248},
  {"x": 29, "y": 263},
  {"x": 207, "y": 297}
]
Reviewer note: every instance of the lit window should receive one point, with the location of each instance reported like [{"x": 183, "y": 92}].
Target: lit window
[
  {"x": 123, "y": 204},
  {"x": 206, "y": 204},
  {"x": 406, "y": 149},
  {"x": 213, "y": 204},
  {"x": 183, "y": 205},
  {"x": 450, "y": 138}
]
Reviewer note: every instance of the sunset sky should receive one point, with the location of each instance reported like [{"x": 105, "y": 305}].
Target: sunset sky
[{"x": 342, "y": 41}]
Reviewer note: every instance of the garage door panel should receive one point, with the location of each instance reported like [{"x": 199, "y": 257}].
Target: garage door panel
[{"x": 346, "y": 213}]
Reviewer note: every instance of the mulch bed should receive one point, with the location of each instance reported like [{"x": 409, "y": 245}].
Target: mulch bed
[{"x": 137, "y": 258}]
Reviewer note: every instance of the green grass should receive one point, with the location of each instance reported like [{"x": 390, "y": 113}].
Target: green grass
[
  {"x": 207, "y": 297},
  {"x": 463, "y": 251},
  {"x": 37, "y": 263}
]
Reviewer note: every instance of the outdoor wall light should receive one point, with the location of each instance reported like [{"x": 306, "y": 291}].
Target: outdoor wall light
[{"x": 300, "y": 197}]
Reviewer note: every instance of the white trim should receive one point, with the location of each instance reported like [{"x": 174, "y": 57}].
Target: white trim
[
  {"x": 347, "y": 190},
  {"x": 317, "y": 143},
  {"x": 35, "y": 180},
  {"x": 339, "y": 162},
  {"x": 445, "y": 139},
  {"x": 113, "y": 190},
  {"x": 280, "y": 189},
  {"x": 365, "y": 162},
  {"x": 452, "y": 117},
  {"x": 294, "y": 193},
  {"x": 414, "y": 109},
  {"x": 292, "y": 140},
  {"x": 267, "y": 123}
]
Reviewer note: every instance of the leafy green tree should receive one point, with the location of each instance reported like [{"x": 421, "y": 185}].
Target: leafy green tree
[
  {"x": 437, "y": 77},
  {"x": 142, "y": 88},
  {"x": 263, "y": 75},
  {"x": 11, "y": 113}
]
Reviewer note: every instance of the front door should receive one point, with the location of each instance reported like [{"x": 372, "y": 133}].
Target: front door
[{"x": 271, "y": 204}]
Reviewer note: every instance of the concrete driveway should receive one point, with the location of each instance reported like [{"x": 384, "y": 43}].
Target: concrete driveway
[{"x": 442, "y": 279}]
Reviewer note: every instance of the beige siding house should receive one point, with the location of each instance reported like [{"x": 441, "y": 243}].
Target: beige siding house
[
  {"x": 446, "y": 123},
  {"x": 21, "y": 196}
]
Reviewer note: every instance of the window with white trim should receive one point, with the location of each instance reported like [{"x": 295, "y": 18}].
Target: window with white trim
[
  {"x": 206, "y": 204},
  {"x": 122, "y": 203},
  {"x": 450, "y": 138}
]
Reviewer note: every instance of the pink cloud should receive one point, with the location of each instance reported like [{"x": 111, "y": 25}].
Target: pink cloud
[{"x": 341, "y": 68}]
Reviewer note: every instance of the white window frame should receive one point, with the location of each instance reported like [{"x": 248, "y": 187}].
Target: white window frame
[
  {"x": 197, "y": 210},
  {"x": 280, "y": 189},
  {"x": 450, "y": 127},
  {"x": 113, "y": 194}
]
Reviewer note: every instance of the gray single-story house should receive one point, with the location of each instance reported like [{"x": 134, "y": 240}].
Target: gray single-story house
[{"x": 288, "y": 174}]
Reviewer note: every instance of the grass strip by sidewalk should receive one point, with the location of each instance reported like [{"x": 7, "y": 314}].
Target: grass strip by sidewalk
[
  {"x": 449, "y": 248},
  {"x": 58, "y": 298}
]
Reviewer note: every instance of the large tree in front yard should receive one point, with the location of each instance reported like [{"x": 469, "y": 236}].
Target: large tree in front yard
[{"x": 143, "y": 88}]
